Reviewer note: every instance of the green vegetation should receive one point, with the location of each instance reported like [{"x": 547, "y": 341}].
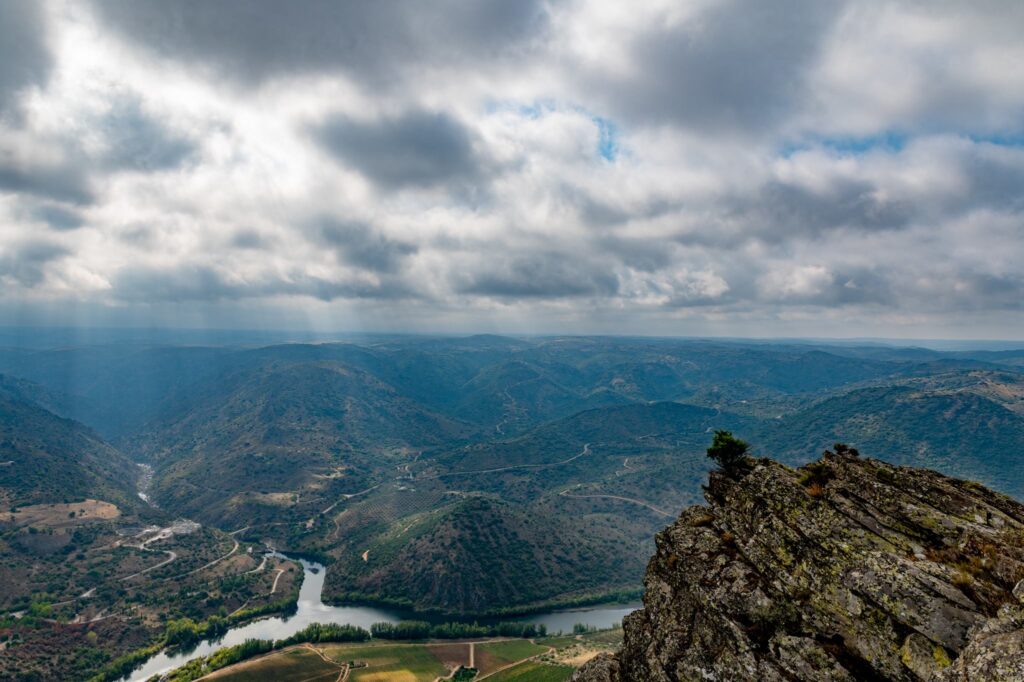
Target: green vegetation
[
  {"x": 325, "y": 632},
  {"x": 411, "y": 662},
  {"x": 411, "y": 630},
  {"x": 464, "y": 476},
  {"x": 727, "y": 450},
  {"x": 491, "y": 656},
  {"x": 298, "y": 664},
  {"x": 533, "y": 672},
  {"x": 960, "y": 433},
  {"x": 51, "y": 460},
  {"x": 222, "y": 658}
]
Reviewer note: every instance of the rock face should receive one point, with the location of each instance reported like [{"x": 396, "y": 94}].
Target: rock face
[{"x": 844, "y": 569}]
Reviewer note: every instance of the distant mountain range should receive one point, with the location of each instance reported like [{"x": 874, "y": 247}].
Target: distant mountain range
[{"x": 399, "y": 458}]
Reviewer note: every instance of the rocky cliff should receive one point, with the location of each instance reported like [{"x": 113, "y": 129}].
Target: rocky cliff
[{"x": 844, "y": 569}]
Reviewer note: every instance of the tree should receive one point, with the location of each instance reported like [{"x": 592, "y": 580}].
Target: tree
[{"x": 727, "y": 450}]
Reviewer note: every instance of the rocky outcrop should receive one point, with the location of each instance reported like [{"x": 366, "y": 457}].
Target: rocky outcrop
[{"x": 844, "y": 569}]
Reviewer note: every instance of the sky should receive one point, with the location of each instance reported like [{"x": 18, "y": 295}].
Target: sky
[{"x": 742, "y": 168}]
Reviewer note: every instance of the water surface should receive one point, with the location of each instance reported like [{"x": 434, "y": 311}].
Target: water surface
[{"x": 311, "y": 609}]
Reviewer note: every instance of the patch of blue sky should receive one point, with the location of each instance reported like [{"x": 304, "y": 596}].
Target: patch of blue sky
[
  {"x": 533, "y": 110},
  {"x": 608, "y": 138},
  {"x": 889, "y": 141},
  {"x": 1000, "y": 139},
  {"x": 607, "y": 148}
]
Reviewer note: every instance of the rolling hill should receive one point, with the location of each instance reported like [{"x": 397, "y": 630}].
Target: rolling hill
[
  {"x": 48, "y": 459},
  {"x": 482, "y": 555},
  {"x": 262, "y": 441},
  {"x": 961, "y": 433}
]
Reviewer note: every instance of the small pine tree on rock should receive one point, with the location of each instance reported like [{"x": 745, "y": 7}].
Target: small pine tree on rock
[{"x": 727, "y": 450}]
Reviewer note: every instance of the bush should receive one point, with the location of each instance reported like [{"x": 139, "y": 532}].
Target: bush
[{"x": 727, "y": 450}]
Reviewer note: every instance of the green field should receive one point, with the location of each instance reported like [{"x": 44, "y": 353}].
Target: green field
[
  {"x": 559, "y": 642},
  {"x": 389, "y": 663},
  {"x": 291, "y": 665},
  {"x": 491, "y": 656},
  {"x": 533, "y": 672},
  {"x": 610, "y": 637}
]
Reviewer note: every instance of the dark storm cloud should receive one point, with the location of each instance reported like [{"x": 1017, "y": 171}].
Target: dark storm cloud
[
  {"x": 25, "y": 262},
  {"x": 418, "y": 149},
  {"x": 357, "y": 244},
  {"x": 539, "y": 275},
  {"x": 63, "y": 181},
  {"x": 62, "y": 169},
  {"x": 372, "y": 41},
  {"x": 790, "y": 210},
  {"x": 137, "y": 141},
  {"x": 962, "y": 289},
  {"x": 996, "y": 178},
  {"x": 189, "y": 283},
  {"x": 600, "y": 212},
  {"x": 645, "y": 255},
  {"x": 58, "y": 217},
  {"x": 736, "y": 66},
  {"x": 24, "y": 57}
]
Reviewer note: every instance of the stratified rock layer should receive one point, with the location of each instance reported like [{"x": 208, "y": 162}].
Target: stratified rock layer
[{"x": 845, "y": 569}]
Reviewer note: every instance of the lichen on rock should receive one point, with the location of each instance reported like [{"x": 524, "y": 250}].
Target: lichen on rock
[{"x": 844, "y": 569}]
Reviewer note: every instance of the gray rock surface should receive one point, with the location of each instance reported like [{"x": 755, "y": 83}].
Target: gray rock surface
[{"x": 844, "y": 569}]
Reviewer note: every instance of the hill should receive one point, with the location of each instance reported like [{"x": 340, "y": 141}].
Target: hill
[
  {"x": 959, "y": 432},
  {"x": 48, "y": 459},
  {"x": 845, "y": 569},
  {"x": 283, "y": 434},
  {"x": 482, "y": 555}
]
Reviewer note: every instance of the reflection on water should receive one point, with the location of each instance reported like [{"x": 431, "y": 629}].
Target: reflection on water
[{"x": 312, "y": 610}]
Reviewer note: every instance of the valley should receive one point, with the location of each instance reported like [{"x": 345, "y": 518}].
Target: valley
[{"x": 427, "y": 478}]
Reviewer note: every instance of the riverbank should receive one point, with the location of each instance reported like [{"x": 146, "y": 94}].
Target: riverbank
[
  {"x": 571, "y": 603},
  {"x": 310, "y": 610}
]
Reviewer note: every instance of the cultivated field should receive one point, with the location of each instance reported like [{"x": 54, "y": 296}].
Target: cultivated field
[
  {"x": 492, "y": 656},
  {"x": 388, "y": 662},
  {"x": 529, "y": 671}
]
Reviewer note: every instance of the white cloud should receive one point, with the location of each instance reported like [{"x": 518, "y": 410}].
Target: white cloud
[{"x": 665, "y": 167}]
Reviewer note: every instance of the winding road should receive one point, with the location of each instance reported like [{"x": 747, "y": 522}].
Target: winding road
[
  {"x": 565, "y": 493},
  {"x": 171, "y": 554},
  {"x": 583, "y": 452},
  {"x": 212, "y": 563}
]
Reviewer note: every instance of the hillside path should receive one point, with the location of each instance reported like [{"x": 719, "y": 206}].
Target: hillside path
[{"x": 565, "y": 493}]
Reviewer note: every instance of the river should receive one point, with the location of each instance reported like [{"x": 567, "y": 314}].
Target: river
[{"x": 311, "y": 609}]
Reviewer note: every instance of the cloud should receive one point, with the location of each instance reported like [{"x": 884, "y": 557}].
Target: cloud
[
  {"x": 25, "y": 58},
  {"x": 357, "y": 244},
  {"x": 416, "y": 149},
  {"x": 25, "y": 263},
  {"x": 701, "y": 167},
  {"x": 58, "y": 217},
  {"x": 730, "y": 66},
  {"x": 377, "y": 43},
  {"x": 42, "y": 170},
  {"x": 540, "y": 275},
  {"x": 135, "y": 140},
  {"x": 205, "y": 283}
]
